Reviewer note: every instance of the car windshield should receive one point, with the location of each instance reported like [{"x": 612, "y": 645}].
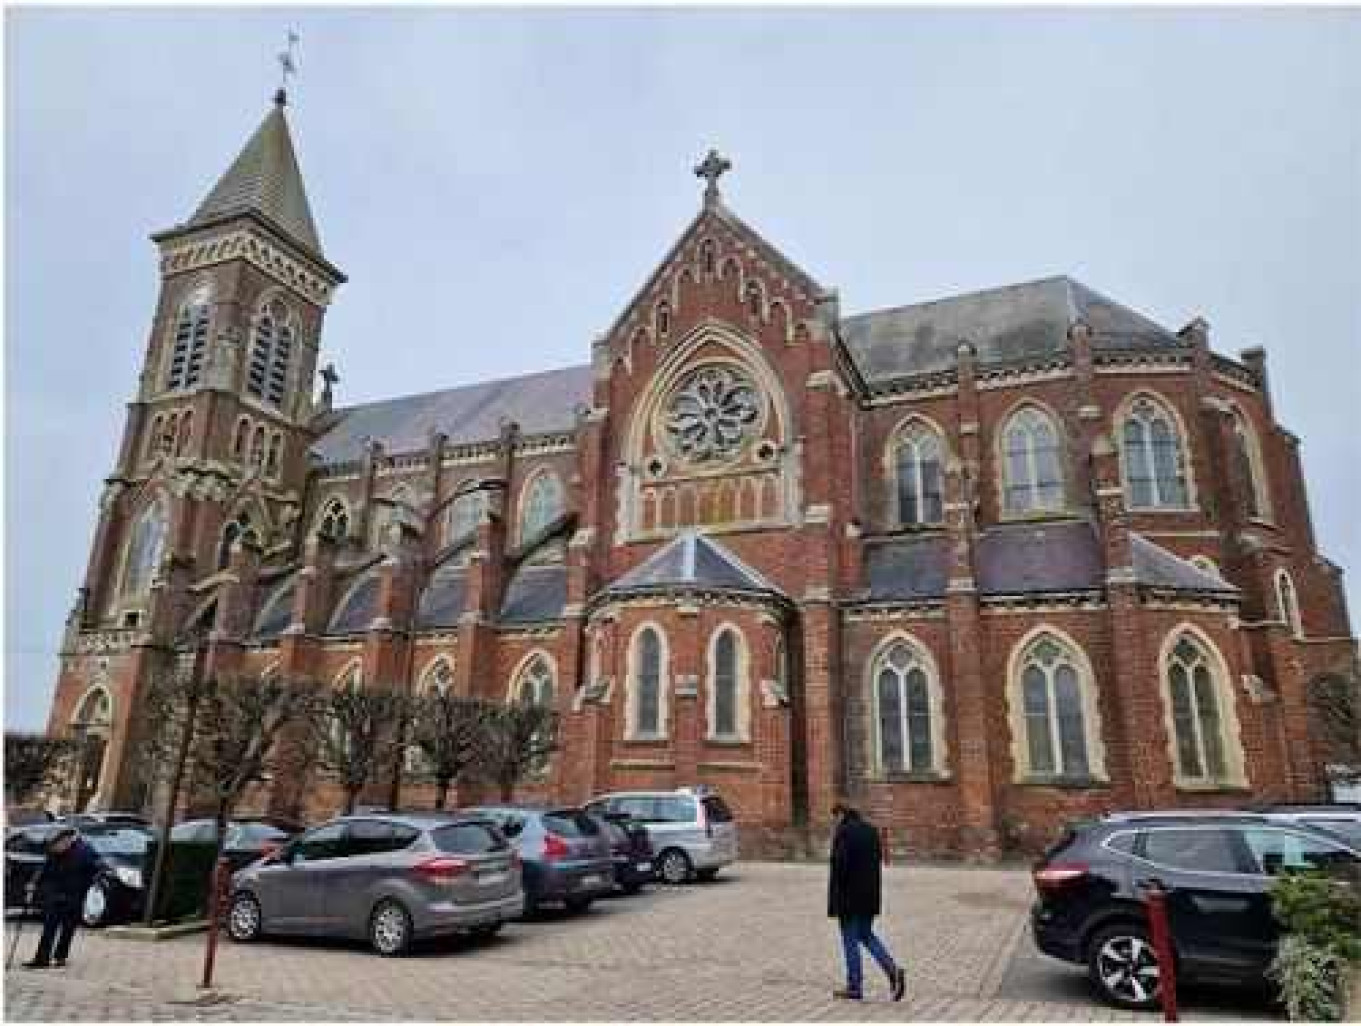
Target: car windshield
[
  {"x": 468, "y": 839},
  {"x": 119, "y": 842}
]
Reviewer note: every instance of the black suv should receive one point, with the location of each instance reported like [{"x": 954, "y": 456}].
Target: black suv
[{"x": 1217, "y": 870}]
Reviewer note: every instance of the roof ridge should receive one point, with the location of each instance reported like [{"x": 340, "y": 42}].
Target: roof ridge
[
  {"x": 954, "y": 297},
  {"x": 483, "y": 383}
]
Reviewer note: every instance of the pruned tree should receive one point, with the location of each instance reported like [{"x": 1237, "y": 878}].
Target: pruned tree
[
  {"x": 520, "y": 738},
  {"x": 34, "y": 763},
  {"x": 1335, "y": 699},
  {"x": 449, "y": 733},
  {"x": 354, "y": 729}
]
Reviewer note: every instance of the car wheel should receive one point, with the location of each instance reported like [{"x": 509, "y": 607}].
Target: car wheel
[
  {"x": 578, "y": 905},
  {"x": 390, "y": 929},
  {"x": 94, "y": 910},
  {"x": 1124, "y": 967},
  {"x": 245, "y": 921},
  {"x": 674, "y": 866}
]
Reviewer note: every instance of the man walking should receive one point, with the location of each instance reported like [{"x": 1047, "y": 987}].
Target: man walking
[
  {"x": 69, "y": 869},
  {"x": 853, "y": 900}
]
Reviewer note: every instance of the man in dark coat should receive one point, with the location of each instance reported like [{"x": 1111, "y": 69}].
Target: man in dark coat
[
  {"x": 68, "y": 871},
  {"x": 853, "y": 892}
]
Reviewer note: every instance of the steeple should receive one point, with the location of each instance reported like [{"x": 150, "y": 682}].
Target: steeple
[{"x": 265, "y": 179}]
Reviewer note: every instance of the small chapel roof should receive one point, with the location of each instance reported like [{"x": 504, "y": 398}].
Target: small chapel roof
[
  {"x": 1010, "y": 324},
  {"x": 265, "y": 179},
  {"x": 691, "y": 561}
]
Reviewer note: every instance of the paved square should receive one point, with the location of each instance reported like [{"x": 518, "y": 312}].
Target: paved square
[{"x": 753, "y": 945}]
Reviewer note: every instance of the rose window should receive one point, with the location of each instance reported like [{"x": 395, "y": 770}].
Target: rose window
[{"x": 712, "y": 415}]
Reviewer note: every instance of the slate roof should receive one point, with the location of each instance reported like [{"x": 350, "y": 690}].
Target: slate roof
[
  {"x": 1025, "y": 559},
  {"x": 441, "y": 601},
  {"x": 265, "y": 178},
  {"x": 1015, "y": 323},
  {"x": 540, "y": 403},
  {"x": 358, "y": 609},
  {"x": 692, "y": 561},
  {"x": 277, "y": 611},
  {"x": 535, "y": 594}
]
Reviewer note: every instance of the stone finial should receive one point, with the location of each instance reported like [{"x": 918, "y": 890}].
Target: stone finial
[
  {"x": 1196, "y": 331},
  {"x": 711, "y": 169}
]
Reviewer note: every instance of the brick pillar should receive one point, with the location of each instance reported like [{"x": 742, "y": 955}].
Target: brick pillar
[{"x": 687, "y": 692}]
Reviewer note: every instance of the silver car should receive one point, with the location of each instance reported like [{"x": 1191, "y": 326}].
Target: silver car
[
  {"x": 391, "y": 879},
  {"x": 692, "y": 829}
]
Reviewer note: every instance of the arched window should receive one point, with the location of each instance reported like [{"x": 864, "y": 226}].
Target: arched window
[
  {"x": 257, "y": 447},
  {"x": 1207, "y": 564},
  {"x": 1287, "y": 603},
  {"x": 707, "y": 256},
  {"x": 349, "y": 679},
  {"x": 438, "y": 677},
  {"x": 906, "y": 712},
  {"x": 663, "y": 319},
  {"x": 534, "y": 686},
  {"x": 728, "y": 691},
  {"x": 271, "y": 352},
  {"x": 1032, "y": 472},
  {"x": 169, "y": 429},
  {"x": 240, "y": 527},
  {"x": 144, "y": 550},
  {"x": 190, "y": 341},
  {"x": 276, "y": 446},
  {"x": 755, "y": 298},
  {"x": 647, "y": 701},
  {"x": 917, "y": 460},
  {"x": 335, "y": 520},
  {"x": 541, "y": 504},
  {"x": 185, "y": 433},
  {"x": 1155, "y": 466},
  {"x": 462, "y": 517},
  {"x": 153, "y": 438},
  {"x": 1247, "y": 457},
  {"x": 1197, "y": 717},
  {"x": 1057, "y": 725}
]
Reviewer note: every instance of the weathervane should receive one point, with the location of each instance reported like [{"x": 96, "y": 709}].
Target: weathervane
[
  {"x": 288, "y": 65},
  {"x": 711, "y": 169}
]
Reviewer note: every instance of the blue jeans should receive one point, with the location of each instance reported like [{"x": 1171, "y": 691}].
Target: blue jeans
[{"x": 855, "y": 931}]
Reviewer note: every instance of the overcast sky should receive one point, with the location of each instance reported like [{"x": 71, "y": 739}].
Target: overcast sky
[{"x": 498, "y": 183}]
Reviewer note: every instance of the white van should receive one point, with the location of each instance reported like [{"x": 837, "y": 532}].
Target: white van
[{"x": 691, "y": 828}]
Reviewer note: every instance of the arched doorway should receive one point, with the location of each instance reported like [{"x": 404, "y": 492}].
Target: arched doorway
[{"x": 90, "y": 726}]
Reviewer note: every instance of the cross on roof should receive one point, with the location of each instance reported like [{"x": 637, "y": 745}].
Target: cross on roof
[{"x": 711, "y": 169}]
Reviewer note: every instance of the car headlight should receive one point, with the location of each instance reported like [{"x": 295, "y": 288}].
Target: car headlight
[{"x": 129, "y": 877}]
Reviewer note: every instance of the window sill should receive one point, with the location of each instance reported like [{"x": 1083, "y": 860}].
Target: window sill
[
  {"x": 1212, "y": 786},
  {"x": 1181, "y": 511},
  {"x": 1063, "y": 783},
  {"x": 647, "y": 741},
  {"x": 1037, "y": 516},
  {"x": 914, "y": 777},
  {"x": 728, "y": 742},
  {"x": 1262, "y": 522}
]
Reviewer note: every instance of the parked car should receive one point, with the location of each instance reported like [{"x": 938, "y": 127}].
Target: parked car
[
  {"x": 565, "y": 853},
  {"x": 630, "y": 850},
  {"x": 247, "y": 840},
  {"x": 391, "y": 879},
  {"x": 112, "y": 819},
  {"x": 1341, "y": 818},
  {"x": 115, "y": 898},
  {"x": 1217, "y": 869},
  {"x": 21, "y": 817},
  {"x": 691, "y": 829}
]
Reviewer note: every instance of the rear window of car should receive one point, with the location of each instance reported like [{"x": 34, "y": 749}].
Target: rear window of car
[
  {"x": 1209, "y": 850},
  {"x": 570, "y": 823},
  {"x": 119, "y": 842},
  {"x": 468, "y": 839},
  {"x": 717, "y": 809},
  {"x": 192, "y": 833},
  {"x": 1122, "y": 842},
  {"x": 373, "y": 837},
  {"x": 261, "y": 833}
]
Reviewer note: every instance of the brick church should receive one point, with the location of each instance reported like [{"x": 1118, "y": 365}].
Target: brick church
[{"x": 984, "y": 562}]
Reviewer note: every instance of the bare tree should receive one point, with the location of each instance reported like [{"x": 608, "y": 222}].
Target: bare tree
[
  {"x": 33, "y": 763},
  {"x": 520, "y": 738},
  {"x": 1335, "y": 699},
  {"x": 354, "y": 728},
  {"x": 450, "y": 733}
]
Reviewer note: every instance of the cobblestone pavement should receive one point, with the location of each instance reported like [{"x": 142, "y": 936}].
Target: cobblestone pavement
[{"x": 753, "y": 945}]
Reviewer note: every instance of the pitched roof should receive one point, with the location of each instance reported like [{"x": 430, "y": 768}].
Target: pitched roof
[
  {"x": 692, "y": 561},
  {"x": 265, "y": 179},
  {"x": 1155, "y": 567},
  {"x": 1013, "y": 323},
  {"x": 441, "y": 601},
  {"x": 539, "y": 403},
  {"x": 535, "y": 594}
]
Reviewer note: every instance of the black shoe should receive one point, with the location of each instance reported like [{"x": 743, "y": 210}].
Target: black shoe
[
  {"x": 58, "y": 963},
  {"x": 899, "y": 980},
  {"x": 846, "y": 994},
  {"x": 33, "y": 963}
]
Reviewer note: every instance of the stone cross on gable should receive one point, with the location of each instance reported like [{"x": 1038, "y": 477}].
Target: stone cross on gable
[
  {"x": 329, "y": 376},
  {"x": 711, "y": 169}
]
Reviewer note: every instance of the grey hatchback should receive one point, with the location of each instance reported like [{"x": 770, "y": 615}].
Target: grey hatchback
[
  {"x": 392, "y": 879},
  {"x": 565, "y": 853}
]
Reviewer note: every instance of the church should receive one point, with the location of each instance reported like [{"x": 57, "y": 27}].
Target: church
[{"x": 984, "y": 563}]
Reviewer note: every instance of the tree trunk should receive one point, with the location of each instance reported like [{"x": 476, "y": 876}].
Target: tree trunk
[
  {"x": 507, "y": 788},
  {"x": 351, "y": 794},
  {"x": 172, "y": 802},
  {"x": 442, "y": 792}
]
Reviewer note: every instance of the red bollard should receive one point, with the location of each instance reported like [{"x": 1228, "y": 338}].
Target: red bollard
[
  {"x": 883, "y": 845},
  {"x": 221, "y": 875},
  {"x": 1155, "y": 898}
]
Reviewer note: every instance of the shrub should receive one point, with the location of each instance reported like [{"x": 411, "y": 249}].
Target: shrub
[{"x": 1321, "y": 917}]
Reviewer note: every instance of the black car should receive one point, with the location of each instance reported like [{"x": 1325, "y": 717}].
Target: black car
[
  {"x": 247, "y": 840},
  {"x": 114, "y": 898},
  {"x": 630, "y": 850},
  {"x": 1217, "y": 871}
]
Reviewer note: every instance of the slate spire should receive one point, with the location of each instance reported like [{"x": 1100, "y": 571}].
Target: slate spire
[{"x": 265, "y": 179}]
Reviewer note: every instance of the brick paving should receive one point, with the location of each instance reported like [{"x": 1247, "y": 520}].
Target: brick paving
[{"x": 754, "y": 945}]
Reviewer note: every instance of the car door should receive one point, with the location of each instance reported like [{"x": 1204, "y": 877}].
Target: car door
[
  {"x": 1275, "y": 850},
  {"x": 289, "y": 892},
  {"x": 1211, "y": 895},
  {"x": 348, "y": 882}
]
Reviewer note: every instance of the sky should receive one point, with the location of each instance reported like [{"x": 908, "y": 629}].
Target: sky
[{"x": 498, "y": 183}]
